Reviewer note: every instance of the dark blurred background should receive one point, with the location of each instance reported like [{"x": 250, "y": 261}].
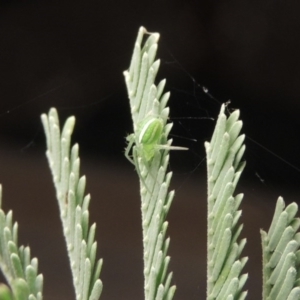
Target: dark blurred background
[{"x": 71, "y": 55}]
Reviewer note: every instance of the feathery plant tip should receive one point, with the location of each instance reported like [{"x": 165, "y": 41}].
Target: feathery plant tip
[
  {"x": 224, "y": 167},
  {"x": 20, "y": 271},
  {"x": 73, "y": 204},
  {"x": 281, "y": 254},
  {"x": 148, "y": 150}
]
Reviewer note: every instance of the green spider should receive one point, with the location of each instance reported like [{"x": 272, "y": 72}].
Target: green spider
[{"x": 146, "y": 142}]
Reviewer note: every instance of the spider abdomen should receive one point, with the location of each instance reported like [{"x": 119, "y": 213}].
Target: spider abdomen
[
  {"x": 151, "y": 131},
  {"x": 150, "y": 135}
]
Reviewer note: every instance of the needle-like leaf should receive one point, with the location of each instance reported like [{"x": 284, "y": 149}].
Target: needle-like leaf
[
  {"x": 20, "y": 271},
  {"x": 70, "y": 188},
  {"x": 281, "y": 257},
  {"x": 150, "y": 155},
  {"x": 224, "y": 166}
]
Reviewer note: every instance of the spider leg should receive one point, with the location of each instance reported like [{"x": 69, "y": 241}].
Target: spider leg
[
  {"x": 139, "y": 171},
  {"x": 134, "y": 159},
  {"x": 167, "y": 147},
  {"x": 131, "y": 140}
]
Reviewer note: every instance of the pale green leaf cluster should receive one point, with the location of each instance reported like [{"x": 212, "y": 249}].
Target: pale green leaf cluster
[
  {"x": 281, "y": 254},
  {"x": 148, "y": 101},
  {"x": 224, "y": 166},
  {"x": 145, "y": 97},
  {"x": 73, "y": 204},
  {"x": 148, "y": 149},
  {"x": 19, "y": 269},
  {"x": 5, "y": 293}
]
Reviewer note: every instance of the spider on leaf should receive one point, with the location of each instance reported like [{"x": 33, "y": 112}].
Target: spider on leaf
[{"x": 146, "y": 142}]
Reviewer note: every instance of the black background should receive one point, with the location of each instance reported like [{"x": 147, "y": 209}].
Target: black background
[{"x": 71, "y": 55}]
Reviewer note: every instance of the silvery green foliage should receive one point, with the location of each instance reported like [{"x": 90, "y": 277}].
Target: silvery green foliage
[
  {"x": 5, "y": 293},
  {"x": 73, "y": 204},
  {"x": 281, "y": 254},
  {"x": 146, "y": 101},
  {"x": 20, "y": 271},
  {"x": 224, "y": 167}
]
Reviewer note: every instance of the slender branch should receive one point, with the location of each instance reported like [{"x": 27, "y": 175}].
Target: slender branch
[
  {"x": 70, "y": 188},
  {"x": 20, "y": 271},
  {"x": 224, "y": 168},
  {"x": 150, "y": 154},
  {"x": 281, "y": 254}
]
